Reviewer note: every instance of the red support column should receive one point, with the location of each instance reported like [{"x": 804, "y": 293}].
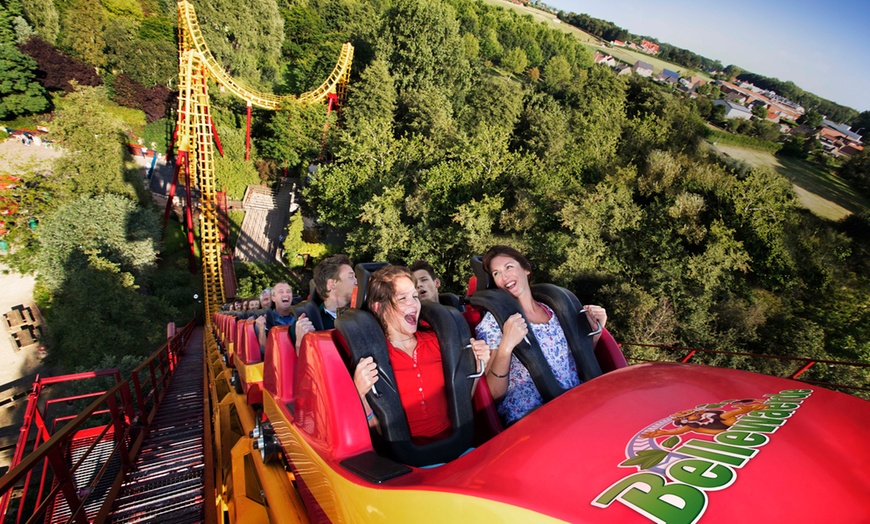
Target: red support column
[
  {"x": 188, "y": 215},
  {"x": 217, "y": 139},
  {"x": 803, "y": 370},
  {"x": 175, "y": 134},
  {"x": 248, "y": 135},
  {"x": 332, "y": 99}
]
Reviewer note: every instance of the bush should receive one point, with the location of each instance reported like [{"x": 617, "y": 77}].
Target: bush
[{"x": 743, "y": 141}]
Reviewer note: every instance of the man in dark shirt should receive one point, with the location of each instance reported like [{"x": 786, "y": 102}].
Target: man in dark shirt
[{"x": 334, "y": 279}]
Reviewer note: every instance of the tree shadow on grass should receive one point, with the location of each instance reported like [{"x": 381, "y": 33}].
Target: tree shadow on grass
[{"x": 822, "y": 182}]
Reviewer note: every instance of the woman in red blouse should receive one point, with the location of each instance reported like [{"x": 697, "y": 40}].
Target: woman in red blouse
[{"x": 414, "y": 355}]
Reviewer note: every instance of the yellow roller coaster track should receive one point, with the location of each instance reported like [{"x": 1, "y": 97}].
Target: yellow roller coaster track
[
  {"x": 191, "y": 40},
  {"x": 196, "y": 65}
]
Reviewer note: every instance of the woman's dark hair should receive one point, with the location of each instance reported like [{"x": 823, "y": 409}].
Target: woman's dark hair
[
  {"x": 505, "y": 251},
  {"x": 382, "y": 290}
]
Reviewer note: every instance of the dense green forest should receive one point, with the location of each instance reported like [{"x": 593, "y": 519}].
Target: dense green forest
[{"x": 465, "y": 125}]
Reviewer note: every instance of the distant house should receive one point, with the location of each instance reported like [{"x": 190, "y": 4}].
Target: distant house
[
  {"x": 773, "y": 115},
  {"x": 692, "y": 83},
  {"x": 850, "y": 150},
  {"x": 737, "y": 98},
  {"x": 845, "y": 130},
  {"x": 667, "y": 77},
  {"x": 622, "y": 69},
  {"x": 607, "y": 60},
  {"x": 649, "y": 47},
  {"x": 733, "y": 110},
  {"x": 618, "y": 43},
  {"x": 839, "y": 139},
  {"x": 756, "y": 102},
  {"x": 643, "y": 69}
]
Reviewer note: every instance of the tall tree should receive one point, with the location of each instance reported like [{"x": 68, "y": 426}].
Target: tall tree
[
  {"x": 82, "y": 26},
  {"x": 20, "y": 93},
  {"x": 294, "y": 135},
  {"x": 515, "y": 60},
  {"x": 58, "y": 71},
  {"x": 423, "y": 46},
  {"x": 94, "y": 144},
  {"x": 245, "y": 36},
  {"x": 148, "y": 62},
  {"x": 111, "y": 227},
  {"x": 43, "y": 16}
]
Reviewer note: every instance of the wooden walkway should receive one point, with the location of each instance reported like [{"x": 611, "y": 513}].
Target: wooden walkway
[{"x": 266, "y": 216}]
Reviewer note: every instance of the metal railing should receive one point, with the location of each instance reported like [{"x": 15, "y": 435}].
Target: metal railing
[
  {"x": 803, "y": 364},
  {"x": 67, "y": 474}
]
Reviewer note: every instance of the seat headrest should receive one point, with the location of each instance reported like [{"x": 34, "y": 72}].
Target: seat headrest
[
  {"x": 450, "y": 300},
  {"x": 364, "y": 272},
  {"x": 310, "y": 310},
  {"x": 313, "y": 295},
  {"x": 484, "y": 281}
]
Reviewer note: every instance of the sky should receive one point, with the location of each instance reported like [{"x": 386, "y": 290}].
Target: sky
[{"x": 823, "y": 47}]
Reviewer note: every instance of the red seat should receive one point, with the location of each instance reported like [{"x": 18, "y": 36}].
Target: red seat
[
  {"x": 608, "y": 353},
  {"x": 232, "y": 336},
  {"x": 249, "y": 351},
  {"x": 279, "y": 369},
  {"x": 246, "y": 358},
  {"x": 328, "y": 409}
]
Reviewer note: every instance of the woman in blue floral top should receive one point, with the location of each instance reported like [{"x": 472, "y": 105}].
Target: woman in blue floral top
[{"x": 509, "y": 381}]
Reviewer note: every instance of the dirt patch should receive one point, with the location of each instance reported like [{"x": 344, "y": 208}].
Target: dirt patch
[{"x": 16, "y": 157}]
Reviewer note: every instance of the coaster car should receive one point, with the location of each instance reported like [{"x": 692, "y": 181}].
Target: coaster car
[{"x": 651, "y": 442}]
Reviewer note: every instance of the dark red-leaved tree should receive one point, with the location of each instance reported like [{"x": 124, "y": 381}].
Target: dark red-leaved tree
[
  {"x": 153, "y": 101},
  {"x": 127, "y": 91},
  {"x": 55, "y": 69},
  {"x": 157, "y": 101}
]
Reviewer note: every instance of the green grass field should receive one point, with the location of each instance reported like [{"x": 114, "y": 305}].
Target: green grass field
[
  {"x": 819, "y": 189},
  {"x": 547, "y": 18},
  {"x": 630, "y": 57}
]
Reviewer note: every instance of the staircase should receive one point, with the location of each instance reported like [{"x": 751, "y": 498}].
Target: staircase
[
  {"x": 166, "y": 482},
  {"x": 266, "y": 214}
]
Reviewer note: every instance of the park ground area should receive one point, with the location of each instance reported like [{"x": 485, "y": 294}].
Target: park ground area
[{"x": 818, "y": 189}]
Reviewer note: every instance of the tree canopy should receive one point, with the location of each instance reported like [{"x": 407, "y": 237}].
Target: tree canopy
[{"x": 20, "y": 93}]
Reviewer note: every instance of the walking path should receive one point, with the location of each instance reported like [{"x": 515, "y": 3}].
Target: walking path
[{"x": 266, "y": 217}]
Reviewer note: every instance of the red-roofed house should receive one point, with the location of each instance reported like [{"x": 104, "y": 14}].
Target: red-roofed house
[
  {"x": 649, "y": 47},
  {"x": 838, "y": 143}
]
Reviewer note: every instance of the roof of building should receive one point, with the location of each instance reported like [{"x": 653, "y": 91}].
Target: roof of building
[
  {"x": 850, "y": 150},
  {"x": 640, "y": 64},
  {"x": 842, "y": 128},
  {"x": 731, "y": 105}
]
